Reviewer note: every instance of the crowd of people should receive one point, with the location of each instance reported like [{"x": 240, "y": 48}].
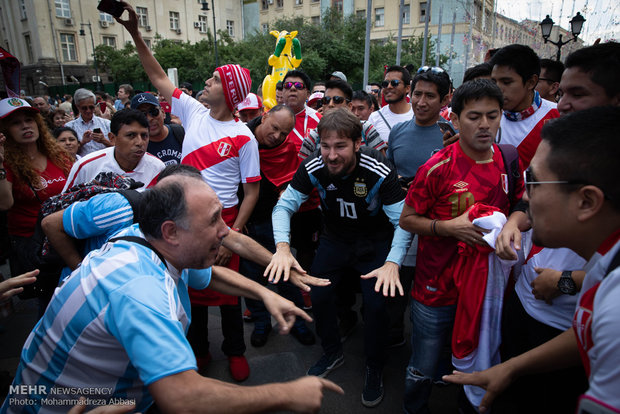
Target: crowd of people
[{"x": 490, "y": 211}]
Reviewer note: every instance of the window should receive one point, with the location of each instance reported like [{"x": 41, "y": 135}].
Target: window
[
  {"x": 67, "y": 44},
  {"x": 380, "y": 17},
  {"x": 105, "y": 17},
  {"x": 315, "y": 20},
  {"x": 143, "y": 16},
  {"x": 22, "y": 9},
  {"x": 174, "y": 20},
  {"x": 28, "y": 43},
  {"x": 406, "y": 14},
  {"x": 265, "y": 4},
  {"x": 230, "y": 27},
  {"x": 337, "y": 5},
  {"x": 265, "y": 27},
  {"x": 109, "y": 41},
  {"x": 148, "y": 43},
  {"x": 423, "y": 7},
  {"x": 63, "y": 9},
  {"x": 280, "y": 4},
  {"x": 202, "y": 24},
  {"x": 299, "y": 2},
  {"x": 360, "y": 14}
]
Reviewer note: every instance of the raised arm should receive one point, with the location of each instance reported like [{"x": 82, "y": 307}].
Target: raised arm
[{"x": 153, "y": 69}]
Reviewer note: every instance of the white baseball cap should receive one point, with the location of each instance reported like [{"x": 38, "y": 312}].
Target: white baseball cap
[
  {"x": 315, "y": 96},
  {"x": 10, "y": 105},
  {"x": 251, "y": 101}
]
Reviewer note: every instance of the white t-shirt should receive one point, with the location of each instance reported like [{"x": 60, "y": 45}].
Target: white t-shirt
[
  {"x": 86, "y": 168},
  {"x": 560, "y": 313},
  {"x": 392, "y": 119},
  {"x": 226, "y": 153}
]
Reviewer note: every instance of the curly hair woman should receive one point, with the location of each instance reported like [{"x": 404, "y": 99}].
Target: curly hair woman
[{"x": 33, "y": 167}]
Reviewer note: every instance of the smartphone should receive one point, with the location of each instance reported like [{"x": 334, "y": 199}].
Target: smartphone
[
  {"x": 97, "y": 130},
  {"x": 112, "y": 7},
  {"x": 102, "y": 106},
  {"x": 446, "y": 126}
]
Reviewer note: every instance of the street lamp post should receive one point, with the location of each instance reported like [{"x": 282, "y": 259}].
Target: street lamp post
[
  {"x": 576, "y": 23},
  {"x": 205, "y": 7},
  {"x": 92, "y": 41}
]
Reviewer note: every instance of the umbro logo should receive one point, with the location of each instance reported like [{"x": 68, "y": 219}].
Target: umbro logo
[
  {"x": 331, "y": 187},
  {"x": 461, "y": 184}
]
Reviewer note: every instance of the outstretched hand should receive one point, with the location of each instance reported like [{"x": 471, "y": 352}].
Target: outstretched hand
[
  {"x": 388, "y": 277},
  {"x": 284, "y": 311},
  {"x": 13, "y": 286},
  {"x": 281, "y": 264}
]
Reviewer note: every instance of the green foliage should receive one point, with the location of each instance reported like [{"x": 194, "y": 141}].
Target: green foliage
[{"x": 336, "y": 44}]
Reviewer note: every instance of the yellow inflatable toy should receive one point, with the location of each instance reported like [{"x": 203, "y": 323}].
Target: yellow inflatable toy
[{"x": 287, "y": 56}]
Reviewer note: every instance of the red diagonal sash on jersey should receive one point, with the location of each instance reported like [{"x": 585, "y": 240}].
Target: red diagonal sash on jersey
[
  {"x": 216, "y": 152},
  {"x": 528, "y": 146}
]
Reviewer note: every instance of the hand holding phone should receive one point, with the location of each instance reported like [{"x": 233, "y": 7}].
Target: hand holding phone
[
  {"x": 445, "y": 126},
  {"x": 112, "y": 7}
]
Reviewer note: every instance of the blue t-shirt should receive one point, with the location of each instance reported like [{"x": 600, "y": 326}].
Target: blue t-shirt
[{"x": 412, "y": 145}]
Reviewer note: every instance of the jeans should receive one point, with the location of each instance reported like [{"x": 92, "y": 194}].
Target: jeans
[
  {"x": 262, "y": 232},
  {"x": 332, "y": 260},
  {"x": 431, "y": 331}
]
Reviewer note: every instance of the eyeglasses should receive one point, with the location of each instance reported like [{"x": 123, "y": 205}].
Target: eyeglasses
[
  {"x": 375, "y": 91},
  {"x": 432, "y": 69},
  {"x": 297, "y": 85},
  {"x": 529, "y": 181},
  {"x": 337, "y": 100},
  {"x": 153, "y": 111},
  {"x": 86, "y": 108},
  {"x": 393, "y": 82}
]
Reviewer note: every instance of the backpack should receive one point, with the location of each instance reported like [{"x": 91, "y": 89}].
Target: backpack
[
  {"x": 42, "y": 255},
  {"x": 178, "y": 132}
]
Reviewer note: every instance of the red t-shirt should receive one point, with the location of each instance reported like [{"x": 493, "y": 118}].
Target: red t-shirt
[
  {"x": 22, "y": 217},
  {"x": 444, "y": 188},
  {"x": 305, "y": 121}
]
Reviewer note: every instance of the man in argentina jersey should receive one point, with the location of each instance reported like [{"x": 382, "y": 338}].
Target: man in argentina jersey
[
  {"x": 361, "y": 201},
  {"x": 115, "y": 330}
]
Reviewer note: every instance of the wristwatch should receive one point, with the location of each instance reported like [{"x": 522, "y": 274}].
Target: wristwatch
[
  {"x": 2, "y": 174},
  {"x": 566, "y": 284}
]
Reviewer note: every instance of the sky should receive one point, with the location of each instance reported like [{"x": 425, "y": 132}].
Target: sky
[{"x": 602, "y": 16}]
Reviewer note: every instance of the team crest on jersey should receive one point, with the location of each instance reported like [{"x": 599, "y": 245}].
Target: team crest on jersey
[
  {"x": 224, "y": 149},
  {"x": 504, "y": 178},
  {"x": 359, "y": 189}
]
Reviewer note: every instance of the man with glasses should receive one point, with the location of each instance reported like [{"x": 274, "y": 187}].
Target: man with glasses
[
  {"x": 437, "y": 210},
  {"x": 549, "y": 80},
  {"x": 92, "y": 130},
  {"x": 338, "y": 94},
  {"x": 573, "y": 199},
  {"x": 395, "y": 90},
  {"x": 165, "y": 141},
  {"x": 375, "y": 90}
]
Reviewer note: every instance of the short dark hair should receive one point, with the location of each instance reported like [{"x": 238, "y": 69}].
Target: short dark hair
[
  {"x": 344, "y": 87},
  {"x": 585, "y": 148},
  {"x": 363, "y": 96},
  {"x": 522, "y": 59},
  {"x": 297, "y": 74},
  {"x": 161, "y": 203},
  {"x": 404, "y": 72},
  {"x": 282, "y": 107},
  {"x": 554, "y": 68},
  {"x": 179, "y": 169},
  {"x": 318, "y": 83},
  {"x": 478, "y": 71},
  {"x": 601, "y": 62},
  {"x": 279, "y": 86},
  {"x": 378, "y": 85},
  {"x": 62, "y": 129},
  {"x": 127, "y": 116},
  {"x": 186, "y": 85},
  {"x": 441, "y": 80},
  {"x": 343, "y": 122},
  {"x": 473, "y": 91}
]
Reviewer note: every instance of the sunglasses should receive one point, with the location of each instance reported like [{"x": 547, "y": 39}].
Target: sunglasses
[
  {"x": 85, "y": 108},
  {"x": 337, "y": 100},
  {"x": 297, "y": 85},
  {"x": 154, "y": 111},
  {"x": 432, "y": 69},
  {"x": 375, "y": 90},
  {"x": 393, "y": 82}
]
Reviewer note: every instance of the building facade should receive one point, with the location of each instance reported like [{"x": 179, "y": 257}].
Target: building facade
[{"x": 53, "y": 39}]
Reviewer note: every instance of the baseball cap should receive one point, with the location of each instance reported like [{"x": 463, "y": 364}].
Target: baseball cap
[
  {"x": 252, "y": 101},
  {"x": 339, "y": 75},
  {"x": 10, "y": 105},
  {"x": 142, "y": 98},
  {"x": 314, "y": 97}
]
